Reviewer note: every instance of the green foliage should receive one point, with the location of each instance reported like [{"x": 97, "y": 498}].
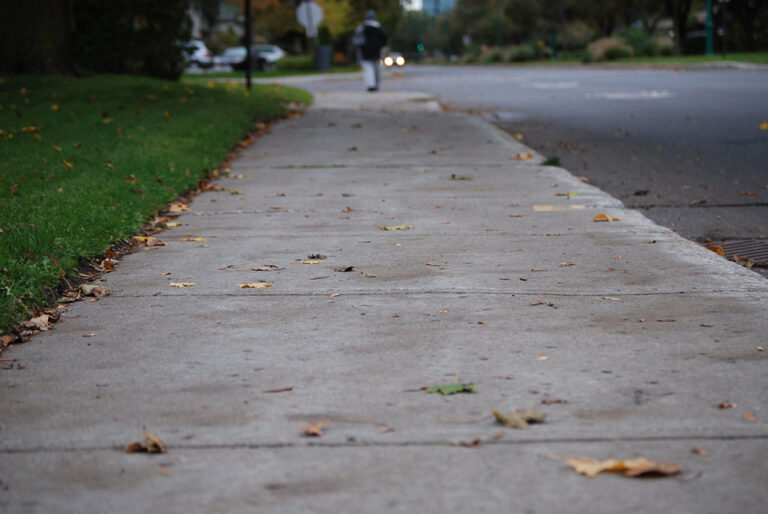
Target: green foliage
[
  {"x": 94, "y": 168},
  {"x": 448, "y": 389},
  {"x": 494, "y": 56},
  {"x": 522, "y": 53},
  {"x": 607, "y": 49},
  {"x": 139, "y": 37},
  {"x": 641, "y": 42}
]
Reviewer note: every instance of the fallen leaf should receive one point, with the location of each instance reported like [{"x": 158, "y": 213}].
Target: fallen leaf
[
  {"x": 759, "y": 348},
  {"x": 39, "y": 322},
  {"x": 267, "y": 267},
  {"x": 255, "y": 285},
  {"x": 449, "y": 389},
  {"x": 234, "y": 191},
  {"x": 67, "y": 164},
  {"x": 612, "y": 298},
  {"x": 700, "y": 201},
  {"x": 750, "y": 416},
  {"x": 749, "y": 193},
  {"x": 150, "y": 443},
  {"x": 521, "y": 157},
  {"x": 430, "y": 263},
  {"x": 518, "y": 136},
  {"x": 195, "y": 239},
  {"x": 699, "y": 451},
  {"x": 95, "y": 291},
  {"x": 627, "y": 467},
  {"x": 182, "y": 284},
  {"x": 315, "y": 430},
  {"x": 665, "y": 320},
  {"x": 238, "y": 176},
  {"x": 177, "y": 207},
  {"x": 165, "y": 273},
  {"x": 149, "y": 241},
  {"x": 312, "y": 262},
  {"x": 396, "y": 227},
  {"x": 475, "y": 443},
  {"x": 605, "y": 217},
  {"x": 542, "y": 357},
  {"x": 352, "y": 149},
  {"x": 533, "y": 270},
  {"x": 706, "y": 325},
  {"x": 565, "y": 264},
  {"x": 726, "y": 405},
  {"x": 461, "y": 177},
  {"x": 718, "y": 249},
  {"x": 568, "y": 195},
  {"x": 163, "y": 470},
  {"x": 764, "y": 125},
  {"x": 550, "y": 401},
  {"x": 385, "y": 430},
  {"x": 280, "y": 390},
  {"x": 395, "y": 315},
  {"x": 334, "y": 295},
  {"x": 316, "y": 256},
  {"x": 345, "y": 269},
  {"x": 89, "y": 335},
  {"x": 520, "y": 419}
]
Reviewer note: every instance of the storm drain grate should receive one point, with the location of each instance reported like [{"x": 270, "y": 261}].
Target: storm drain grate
[{"x": 754, "y": 249}]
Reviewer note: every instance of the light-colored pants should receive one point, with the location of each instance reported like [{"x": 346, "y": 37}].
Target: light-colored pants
[{"x": 370, "y": 74}]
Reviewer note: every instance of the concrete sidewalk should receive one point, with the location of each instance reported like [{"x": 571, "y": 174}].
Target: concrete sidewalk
[{"x": 503, "y": 281}]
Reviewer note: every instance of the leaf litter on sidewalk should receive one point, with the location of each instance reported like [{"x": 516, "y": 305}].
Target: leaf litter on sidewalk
[
  {"x": 520, "y": 419},
  {"x": 149, "y": 443},
  {"x": 632, "y": 468}
]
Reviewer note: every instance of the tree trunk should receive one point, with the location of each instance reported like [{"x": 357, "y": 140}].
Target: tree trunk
[
  {"x": 678, "y": 10},
  {"x": 36, "y": 37}
]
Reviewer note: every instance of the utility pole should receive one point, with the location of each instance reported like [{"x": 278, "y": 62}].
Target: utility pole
[
  {"x": 554, "y": 30},
  {"x": 710, "y": 29},
  {"x": 248, "y": 37}
]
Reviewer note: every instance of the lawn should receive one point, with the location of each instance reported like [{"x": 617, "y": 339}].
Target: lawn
[
  {"x": 89, "y": 161},
  {"x": 285, "y": 67}
]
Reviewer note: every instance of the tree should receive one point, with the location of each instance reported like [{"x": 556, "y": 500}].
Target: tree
[
  {"x": 747, "y": 12},
  {"x": 678, "y": 10}
]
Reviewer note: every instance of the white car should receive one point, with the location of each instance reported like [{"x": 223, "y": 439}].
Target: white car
[
  {"x": 271, "y": 53},
  {"x": 196, "y": 53}
]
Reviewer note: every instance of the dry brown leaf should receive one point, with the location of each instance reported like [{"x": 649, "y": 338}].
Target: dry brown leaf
[
  {"x": 565, "y": 264},
  {"x": 370, "y": 275},
  {"x": 430, "y": 263},
  {"x": 195, "y": 239},
  {"x": 612, "y": 298},
  {"x": 345, "y": 269},
  {"x": 550, "y": 401},
  {"x": 334, "y": 295},
  {"x": 255, "y": 285},
  {"x": 182, "y": 284},
  {"x": 706, "y": 325},
  {"x": 280, "y": 390},
  {"x": 699, "y": 451},
  {"x": 150, "y": 443},
  {"x": 385, "y": 430},
  {"x": 521, "y": 419},
  {"x": 639, "y": 466},
  {"x": 759, "y": 348},
  {"x": 475, "y": 443},
  {"x": 718, "y": 249},
  {"x": 750, "y": 416},
  {"x": 95, "y": 291},
  {"x": 726, "y": 405},
  {"x": 312, "y": 262},
  {"x": 39, "y": 323},
  {"x": 89, "y": 335},
  {"x": 315, "y": 430},
  {"x": 165, "y": 273},
  {"x": 178, "y": 207},
  {"x": 267, "y": 267},
  {"x": 542, "y": 357}
]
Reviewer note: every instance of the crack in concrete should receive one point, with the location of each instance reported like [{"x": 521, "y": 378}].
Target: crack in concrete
[{"x": 393, "y": 444}]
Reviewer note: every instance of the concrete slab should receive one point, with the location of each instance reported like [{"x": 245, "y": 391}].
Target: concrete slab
[{"x": 503, "y": 280}]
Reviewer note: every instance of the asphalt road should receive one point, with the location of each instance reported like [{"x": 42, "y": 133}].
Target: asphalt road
[{"x": 684, "y": 146}]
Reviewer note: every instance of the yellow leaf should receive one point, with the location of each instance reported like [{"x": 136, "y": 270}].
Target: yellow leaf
[
  {"x": 569, "y": 195},
  {"x": 182, "y": 284},
  {"x": 627, "y": 467},
  {"x": 67, "y": 165},
  {"x": 196, "y": 239},
  {"x": 521, "y": 157},
  {"x": 311, "y": 262},
  {"x": 764, "y": 125},
  {"x": 239, "y": 175},
  {"x": 56, "y": 148},
  {"x": 605, "y": 217},
  {"x": 167, "y": 114},
  {"x": 172, "y": 224},
  {"x": 55, "y": 107},
  {"x": 612, "y": 298},
  {"x": 397, "y": 227},
  {"x": 255, "y": 285}
]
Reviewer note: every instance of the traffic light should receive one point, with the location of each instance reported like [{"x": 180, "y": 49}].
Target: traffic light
[{"x": 420, "y": 47}]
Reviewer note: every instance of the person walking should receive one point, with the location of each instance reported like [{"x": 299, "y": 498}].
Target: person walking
[{"x": 370, "y": 39}]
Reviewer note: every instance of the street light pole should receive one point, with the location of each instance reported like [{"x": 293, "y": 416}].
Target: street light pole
[
  {"x": 248, "y": 37},
  {"x": 709, "y": 28}
]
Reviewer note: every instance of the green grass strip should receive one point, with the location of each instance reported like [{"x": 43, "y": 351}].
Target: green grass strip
[{"x": 84, "y": 162}]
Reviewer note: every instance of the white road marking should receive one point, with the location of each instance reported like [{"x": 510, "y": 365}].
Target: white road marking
[{"x": 633, "y": 95}]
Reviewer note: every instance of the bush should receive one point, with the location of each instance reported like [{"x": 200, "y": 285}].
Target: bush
[
  {"x": 576, "y": 34},
  {"x": 296, "y": 63},
  {"x": 606, "y": 49},
  {"x": 641, "y": 42},
  {"x": 494, "y": 56},
  {"x": 521, "y": 54}
]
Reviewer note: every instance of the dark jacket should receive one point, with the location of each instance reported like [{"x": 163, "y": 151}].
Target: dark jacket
[{"x": 370, "y": 38}]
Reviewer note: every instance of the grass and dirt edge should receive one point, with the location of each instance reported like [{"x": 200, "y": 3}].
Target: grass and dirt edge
[{"x": 92, "y": 162}]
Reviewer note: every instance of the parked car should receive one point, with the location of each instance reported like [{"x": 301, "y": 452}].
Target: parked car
[
  {"x": 393, "y": 59},
  {"x": 271, "y": 53},
  {"x": 235, "y": 56},
  {"x": 196, "y": 53}
]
